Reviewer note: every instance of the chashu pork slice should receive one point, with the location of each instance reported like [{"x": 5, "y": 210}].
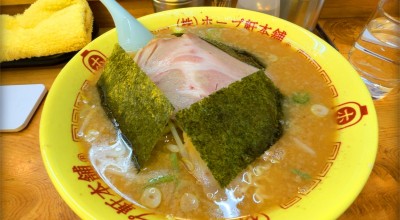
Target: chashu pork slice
[{"x": 188, "y": 68}]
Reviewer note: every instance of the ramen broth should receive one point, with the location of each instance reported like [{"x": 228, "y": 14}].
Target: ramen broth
[{"x": 165, "y": 184}]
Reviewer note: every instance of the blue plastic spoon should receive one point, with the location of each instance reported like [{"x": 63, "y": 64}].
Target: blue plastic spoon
[{"x": 132, "y": 35}]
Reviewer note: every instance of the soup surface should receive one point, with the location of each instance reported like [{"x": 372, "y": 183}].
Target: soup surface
[{"x": 166, "y": 185}]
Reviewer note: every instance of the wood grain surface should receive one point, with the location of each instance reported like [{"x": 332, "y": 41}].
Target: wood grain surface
[
  {"x": 380, "y": 196},
  {"x": 27, "y": 192}
]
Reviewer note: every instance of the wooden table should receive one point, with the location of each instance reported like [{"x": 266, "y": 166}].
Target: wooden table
[{"x": 27, "y": 192}]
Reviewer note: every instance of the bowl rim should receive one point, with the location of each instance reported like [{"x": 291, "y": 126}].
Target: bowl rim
[{"x": 347, "y": 198}]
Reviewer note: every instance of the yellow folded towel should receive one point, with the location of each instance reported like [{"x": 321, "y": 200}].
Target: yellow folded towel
[{"x": 46, "y": 28}]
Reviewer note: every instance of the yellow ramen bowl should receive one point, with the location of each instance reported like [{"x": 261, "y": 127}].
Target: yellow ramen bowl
[{"x": 334, "y": 188}]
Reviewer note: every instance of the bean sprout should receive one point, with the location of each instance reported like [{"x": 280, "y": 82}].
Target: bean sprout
[
  {"x": 178, "y": 140},
  {"x": 304, "y": 146},
  {"x": 173, "y": 148}
]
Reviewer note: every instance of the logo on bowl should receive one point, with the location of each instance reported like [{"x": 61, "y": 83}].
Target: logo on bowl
[
  {"x": 349, "y": 114},
  {"x": 93, "y": 60},
  {"x": 100, "y": 190},
  {"x": 246, "y": 23}
]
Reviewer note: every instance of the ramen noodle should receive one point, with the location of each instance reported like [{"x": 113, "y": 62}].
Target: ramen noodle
[{"x": 166, "y": 184}]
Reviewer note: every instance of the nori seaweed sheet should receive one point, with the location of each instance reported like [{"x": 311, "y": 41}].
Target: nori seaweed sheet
[
  {"x": 139, "y": 107},
  {"x": 237, "y": 53},
  {"x": 235, "y": 125}
]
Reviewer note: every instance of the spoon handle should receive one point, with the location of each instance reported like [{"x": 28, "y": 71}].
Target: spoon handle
[{"x": 132, "y": 35}]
